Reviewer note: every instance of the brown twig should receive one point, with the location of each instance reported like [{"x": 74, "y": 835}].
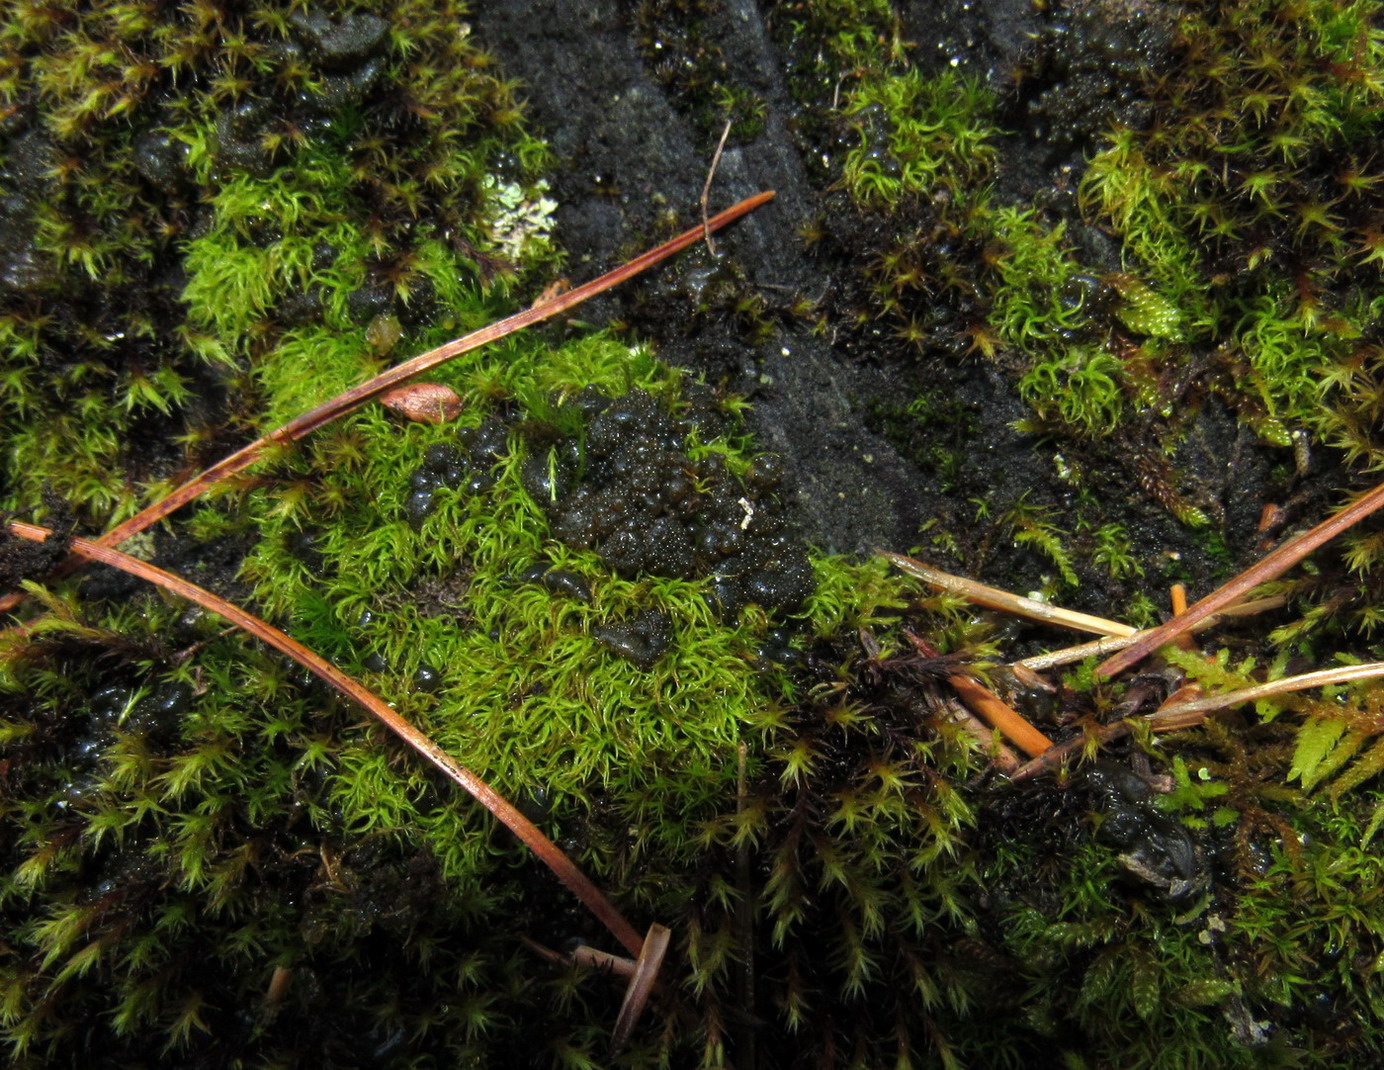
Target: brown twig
[
  {"x": 1274, "y": 564},
  {"x": 357, "y": 396},
  {"x": 547, "y": 851},
  {"x": 706, "y": 186}
]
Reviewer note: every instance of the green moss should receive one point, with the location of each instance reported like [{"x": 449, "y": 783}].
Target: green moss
[
  {"x": 183, "y": 813},
  {"x": 157, "y": 240},
  {"x": 918, "y": 135}
]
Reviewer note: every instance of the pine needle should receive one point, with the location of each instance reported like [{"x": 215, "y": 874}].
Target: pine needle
[
  {"x": 547, "y": 851},
  {"x": 372, "y": 388}
]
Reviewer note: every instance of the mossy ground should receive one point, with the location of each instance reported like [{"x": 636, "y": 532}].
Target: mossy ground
[{"x": 219, "y": 219}]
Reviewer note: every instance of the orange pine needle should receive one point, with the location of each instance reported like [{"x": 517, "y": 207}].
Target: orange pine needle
[{"x": 988, "y": 706}]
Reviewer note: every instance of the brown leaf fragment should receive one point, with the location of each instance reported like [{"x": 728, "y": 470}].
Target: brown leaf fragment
[
  {"x": 428, "y": 403},
  {"x": 641, "y": 985}
]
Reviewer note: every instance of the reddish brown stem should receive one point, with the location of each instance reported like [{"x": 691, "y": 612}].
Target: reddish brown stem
[
  {"x": 1273, "y": 564},
  {"x": 357, "y": 396},
  {"x": 576, "y": 881}
]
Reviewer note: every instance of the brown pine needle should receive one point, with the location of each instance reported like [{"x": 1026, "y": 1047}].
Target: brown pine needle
[
  {"x": 1273, "y": 564},
  {"x": 995, "y": 598},
  {"x": 576, "y": 881},
  {"x": 357, "y": 396}
]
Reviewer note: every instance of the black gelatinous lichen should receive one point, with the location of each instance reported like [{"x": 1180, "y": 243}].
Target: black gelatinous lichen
[
  {"x": 642, "y": 639},
  {"x": 469, "y": 463},
  {"x": 1085, "y": 72},
  {"x": 1154, "y": 848}
]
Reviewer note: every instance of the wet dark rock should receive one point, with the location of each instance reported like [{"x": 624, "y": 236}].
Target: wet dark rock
[
  {"x": 646, "y": 506},
  {"x": 444, "y": 466},
  {"x": 343, "y": 90},
  {"x": 239, "y": 138},
  {"x": 161, "y": 161}
]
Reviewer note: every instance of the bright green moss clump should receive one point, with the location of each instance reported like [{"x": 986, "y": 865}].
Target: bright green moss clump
[{"x": 196, "y": 195}]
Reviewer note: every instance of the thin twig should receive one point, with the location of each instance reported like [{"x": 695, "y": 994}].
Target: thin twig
[
  {"x": 1053, "y": 758},
  {"x": 550, "y": 854},
  {"x": 994, "y": 598},
  {"x": 745, "y": 907},
  {"x": 1274, "y": 564},
  {"x": 1107, "y": 646},
  {"x": 706, "y": 186},
  {"x": 372, "y": 388}
]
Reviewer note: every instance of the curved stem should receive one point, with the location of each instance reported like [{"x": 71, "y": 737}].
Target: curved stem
[
  {"x": 372, "y": 388},
  {"x": 551, "y": 855}
]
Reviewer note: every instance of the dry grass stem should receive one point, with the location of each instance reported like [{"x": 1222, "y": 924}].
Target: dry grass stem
[
  {"x": 1174, "y": 715},
  {"x": 1320, "y": 678},
  {"x": 1105, "y": 647},
  {"x": 1001, "y": 757},
  {"x": 1017, "y": 605},
  {"x": 706, "y": 186}
]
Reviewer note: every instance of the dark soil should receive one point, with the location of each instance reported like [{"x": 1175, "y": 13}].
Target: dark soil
[{"x": 632, "y": 156}]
